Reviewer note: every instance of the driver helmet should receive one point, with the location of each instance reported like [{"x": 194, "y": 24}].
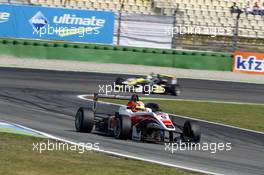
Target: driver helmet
[
  {"x": 139, "y": 106},
  {"x": 149, "y": 77}
]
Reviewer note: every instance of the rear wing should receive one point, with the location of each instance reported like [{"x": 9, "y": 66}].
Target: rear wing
[
  {"x": 96, "y": 97},
  {"x": 168, "y": 75}
]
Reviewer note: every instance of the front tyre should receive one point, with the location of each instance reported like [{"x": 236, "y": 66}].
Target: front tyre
[
  {"x": 191, "y": 132},
  {"x": 84, "y": 120},
  {"x": 122, "y": 127},
  {"x": 153, "y": 106}
]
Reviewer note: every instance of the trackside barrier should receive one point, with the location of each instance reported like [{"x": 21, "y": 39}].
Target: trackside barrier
[
  {"x": 116, "y": 54},
  {"x": 248, "y": 62},
  {"x": 46, "y": 23}
]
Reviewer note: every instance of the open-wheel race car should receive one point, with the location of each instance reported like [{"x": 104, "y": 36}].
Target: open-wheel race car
[
  {"x": 153, "y": 83},
  {"x": 146, "y": 124}
]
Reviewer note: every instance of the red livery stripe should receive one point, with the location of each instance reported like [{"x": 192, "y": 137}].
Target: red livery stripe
[{"x": 167, "y": 122}]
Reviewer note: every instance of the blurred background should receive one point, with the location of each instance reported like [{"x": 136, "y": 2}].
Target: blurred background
[{"x": 211, "y": 25}]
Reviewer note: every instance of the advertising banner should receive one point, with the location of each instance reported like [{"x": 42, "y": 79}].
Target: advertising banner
[
  {"x": 146, "y": 30},
  {"x": 35, "y": 22},
  {"x": 248, "y": 62}
]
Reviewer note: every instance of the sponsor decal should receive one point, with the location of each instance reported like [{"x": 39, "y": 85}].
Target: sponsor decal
[
  {"x": 74, "y": 20},
  {"x": 80, "y": 25},
  {"x": 4, "y": 17},
  {"x": 162, "y": 115},
  {"x": 38, "y": 21},
  {"x": 66, "y": 25},
  {"x": 248, "y": 62}
]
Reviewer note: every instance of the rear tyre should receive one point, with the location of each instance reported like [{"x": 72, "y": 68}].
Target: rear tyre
[
  {"x": 191, "y": 132},
  {"x": 153, "y": 106},
  {"x": 175, "y": 90},
  {"x": 119, "y": 81},
  {"x": 122, "y": 127},
  {"x": 84, "y": 120}
]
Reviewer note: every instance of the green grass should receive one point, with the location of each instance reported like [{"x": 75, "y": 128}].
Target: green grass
[
  {"x": 18, "y": 158},
  {"x": 14, "y": 131},
  {"x": 240, "y": 115}
]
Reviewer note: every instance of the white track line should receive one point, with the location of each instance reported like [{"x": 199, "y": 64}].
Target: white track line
[
  {"x": 205, "y": 121},
  {"x": 189, "y": 100},
  {"x": 201, "y": 101},
  {"x": 115, "y": 153}
]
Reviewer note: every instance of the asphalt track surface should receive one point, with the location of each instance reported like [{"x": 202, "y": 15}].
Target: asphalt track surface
[{"x": 46, "y": 101}]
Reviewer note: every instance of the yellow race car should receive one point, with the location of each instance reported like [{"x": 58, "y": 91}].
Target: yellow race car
[{"x": 153, "y": 83}]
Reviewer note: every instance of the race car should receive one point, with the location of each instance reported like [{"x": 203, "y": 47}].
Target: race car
[
  {"x": 149, "y": 124},
  {"x": 154, "y": 83}
]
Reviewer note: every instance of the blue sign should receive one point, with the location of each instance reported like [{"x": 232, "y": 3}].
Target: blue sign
[{"x": 35, "y": 22}]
